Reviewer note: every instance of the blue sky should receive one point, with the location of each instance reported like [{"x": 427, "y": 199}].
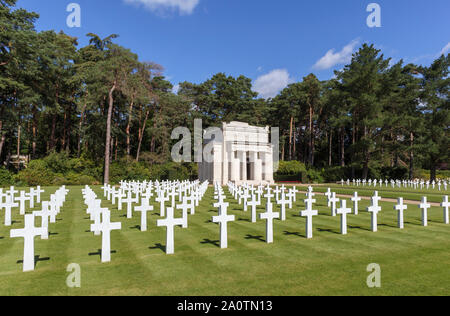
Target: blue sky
[{"x": 271, "y": 42}]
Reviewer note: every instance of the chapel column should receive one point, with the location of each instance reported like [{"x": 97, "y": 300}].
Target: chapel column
[
  {"x": 243, "y": 164},
  {"x": 235, "y": 176},
  {"x": 268, "y": 170},
  {"x": 257, "y": 168}
]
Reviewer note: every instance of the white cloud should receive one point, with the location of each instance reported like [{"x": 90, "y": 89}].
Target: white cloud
[
  {"x": 269, "y": 85},
  {"x": 183, "y": 6},
  {"x": 445, "y": 50},
  {"x": 333, "y": 58}
]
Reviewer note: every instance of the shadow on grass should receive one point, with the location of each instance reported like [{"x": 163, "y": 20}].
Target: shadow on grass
[
  {"x": 37, "y": 259},
  {"x": 293, "y": 234},
  {"x": 328, "y": 231},
  {"x": 244, "y": 220},
  {"x": 260, "y": 238},
  {"x": 138, "y": 227},
  {"x": 359, "y": 227},
  {"x": 211, "y": 242},
  {"x": 158, "y": 246},
  {"x": 99, "y": 253}
]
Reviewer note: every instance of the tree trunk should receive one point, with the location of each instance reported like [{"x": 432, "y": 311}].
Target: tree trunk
[
  {"x": 366, "y": 157},
  {"x": 108, "y": 134},
  {"x": 2, "y": 141},
  {"x": 311, "y": 136},
  {"x": 141, "y": 135},
  {"x": 290, "y": 138},
  {"x": 433, "y": 171},
  {"x": 353, "y": 149},
  {"x": 330, "y": 150},
  {"x": 130, "y": 116},
  {"x": 18, "y": 141},
  {"x": 342, "y": 142},
  {"x": 33, "y": 146},
  {"x": 411, "y": 156},
  {"x": 80, "y": 126}
]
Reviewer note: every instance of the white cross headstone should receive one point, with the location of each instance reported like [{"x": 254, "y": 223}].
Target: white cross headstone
[
  {"x": 223, "y": 220},
  {"x": 184, "y": 206},
  {"x": 343, "y": 211},
  {"x": 374, "y": 209},
  {"x": 269, "y": 215},
  {"x": 170, "y": 222},
  {"x": 28, "y": 233},
  {"x": 400, "y": 208},
  {"x": 21, "y": 199},
  {"x": 38, "y": 193},
  {"x": 333, "y": 201},
  {"x": 144, "y": 208},
  {"x": 283, "y": 202},
  {"x": 424, "y": 206},
  {"x": 44, "y": 213},
  {"x": 445, "y": 204},
  {"x": 253, "y": 203},
  {"x": 8, "y": 205},
  {"x": 328, "y": 195},
  {"x": 105, "y": 227},
  {"x": 309, "y": 213},
  {"x": 355, "y": 200},
  {"x": 162, "y": 200}
]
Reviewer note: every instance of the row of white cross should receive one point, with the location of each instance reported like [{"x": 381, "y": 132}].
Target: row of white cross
[
  {"x": 415, "y": 184},
  {"x": 9, "y": 200},
  {"x": 188, "y": 194},
  {"x": 49, "y": 211},
  {"x": 245, "y": 192}
]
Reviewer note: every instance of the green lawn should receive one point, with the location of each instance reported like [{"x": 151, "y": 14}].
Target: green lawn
[
  {"x": 414, "y": 261},
  {"x": 433, "y": 195}
]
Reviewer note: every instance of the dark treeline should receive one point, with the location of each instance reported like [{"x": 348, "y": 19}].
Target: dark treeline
[{"x": 102, "y": 103}]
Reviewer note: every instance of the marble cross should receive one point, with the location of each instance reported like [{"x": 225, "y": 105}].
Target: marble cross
[
  {"x": 184, "y": 206},
  {"x": 328, "y": 195},
  {"x": 343, "y": 211},
  {"x": 223, "y": 220},
  {"x": 31, "y": 195},
  {"x": 21, "y": 199},
  {"x": 129, "y": 201},
  {"x": 374, "y": 209},
  {"x": 269, "y": 216},
  {"x": 44, "y": 213},
  {"x": 424, "y": 206},
  {"x": 144, "y": 208},
  {"x": 28, "y": 233},
  {"x": 38, "y": 192},
  {"x": 8, "y": 205},
  {"x": 400, "y": 208},
  {"x": 294, "y": 191},
  {"x": 162, "y": 200},
  {"x": 12, "y": 192},
  {"x": 283, "y": 202},
  {"x": 355, "y": 200},
  {"x": 253, "y": 203},
  {"x": 333, "y": 201},
  {"x": 309, "y": 213},
  {"x": 170, "y": 222},
  {"x": 445, "y": 204},
  {"x": 105, "y": 227}
]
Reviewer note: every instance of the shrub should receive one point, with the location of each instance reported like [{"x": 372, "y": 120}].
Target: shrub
[
  {"x": 6, "y": 178},
  {"x": 291, "y": 171},
  {"x": 37, "y": 173}
]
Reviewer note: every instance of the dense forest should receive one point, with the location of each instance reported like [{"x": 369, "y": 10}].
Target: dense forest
[{"x": 100, "y": 106}]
